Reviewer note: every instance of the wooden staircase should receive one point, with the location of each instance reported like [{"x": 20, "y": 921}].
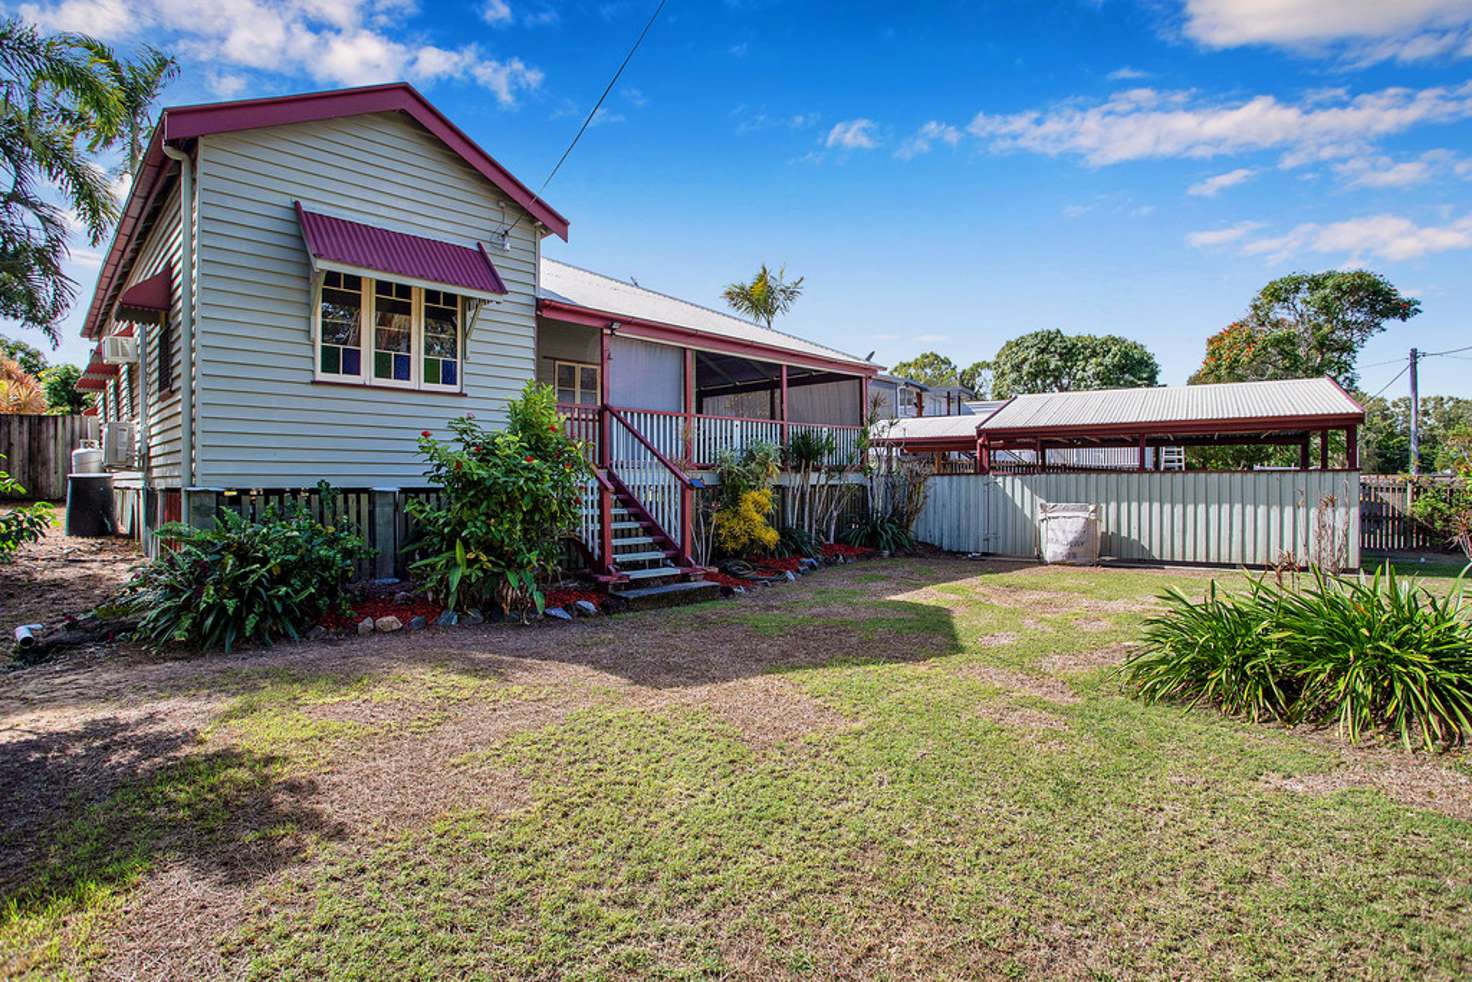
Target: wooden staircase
[{"x": 645, "y": 565}]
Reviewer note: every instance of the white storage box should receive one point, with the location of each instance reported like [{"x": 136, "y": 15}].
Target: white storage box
[{"x": 1069, "y": 533}]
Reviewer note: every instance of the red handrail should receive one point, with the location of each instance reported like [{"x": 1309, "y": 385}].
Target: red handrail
[
  {"x": 679, "y": 474},
  {"x": 737, "y": 419}
]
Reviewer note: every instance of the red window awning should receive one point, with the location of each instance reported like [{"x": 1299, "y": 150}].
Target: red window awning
[
  {"x": 147, "y": 301},
  {"x": 339, "y": 245}
]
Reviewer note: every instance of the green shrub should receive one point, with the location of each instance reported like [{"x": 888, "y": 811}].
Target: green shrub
[
  {"x": 1446, "y": 509},
  {"x": 887, "y": 532},
  {"x": 1380, "y": 653},
  {"x": 798, "y": 542},
  {"x": 244, "y": 582},
  {"x": 1213, "y": 652},
  {"x": 1367, "y": 654},
  {"x": 23, "y": 523},
  {"x": 509, "y": 496}
]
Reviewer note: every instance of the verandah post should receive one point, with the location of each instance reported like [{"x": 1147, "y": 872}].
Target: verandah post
[
  {"x": 783, "y": 405},
  {"x": 687, "y": 494},
  {"x": 605, "y": 495}
]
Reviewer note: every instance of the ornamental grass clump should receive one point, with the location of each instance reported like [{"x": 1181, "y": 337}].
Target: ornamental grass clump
[
  {"x": 1365, "y": 654},
  {"x": 244, "y": 582},
  {"x": 508, "y": 499}
]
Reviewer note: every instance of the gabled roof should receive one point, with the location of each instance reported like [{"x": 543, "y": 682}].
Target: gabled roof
[
  {"x": 181, "y": 124},
  {"x": 360, "y": 248},
  {"x": 572, "y": 292},
  {"x": 1284, "y": 402}
]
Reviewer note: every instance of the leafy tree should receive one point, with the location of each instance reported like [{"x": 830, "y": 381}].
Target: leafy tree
[
  {"x": 1387, "y": 433},
  {"x": 138, "y": 85},
  {"x": 54, "y": 108},
  {"x": 928, "y": 368},
  {"x": 1051, "y": 361},
  {"x": 978, "y": 377},
  {"x": 1303, "y": 325},
  {"x": 63, "y": 398},
  {"x": 33, "y": 360},
  {"x": 1455, "y": 453},
  {"x": 768, "y": 296}
]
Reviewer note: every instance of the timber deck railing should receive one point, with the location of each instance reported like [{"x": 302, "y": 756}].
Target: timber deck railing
[{"x": 696, "y": 440}]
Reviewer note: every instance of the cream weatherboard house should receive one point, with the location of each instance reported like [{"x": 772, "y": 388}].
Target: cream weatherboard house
[{"x": 363, "y": 271}]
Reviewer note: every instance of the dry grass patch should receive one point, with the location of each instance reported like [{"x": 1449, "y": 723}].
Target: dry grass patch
[
  {"x": 1408, "y": 781},
  {"x": 1041, "y": 686}
]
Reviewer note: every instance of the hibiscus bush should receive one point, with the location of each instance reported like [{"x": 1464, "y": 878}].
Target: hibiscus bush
[{"x": 509, "y": 498}]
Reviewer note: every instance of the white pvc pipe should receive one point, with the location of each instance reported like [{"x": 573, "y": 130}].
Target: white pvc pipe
[{"x": 186, "y": 315}]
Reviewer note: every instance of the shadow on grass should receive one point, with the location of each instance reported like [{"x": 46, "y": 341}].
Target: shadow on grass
[{"x": 124, "y": 796}]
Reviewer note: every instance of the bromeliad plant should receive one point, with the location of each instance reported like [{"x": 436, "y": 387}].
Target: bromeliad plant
[
  {"x": 509, "y": 497},
  {"x": 1366, "y": 654},
  {"x": 244, "y": 582}
]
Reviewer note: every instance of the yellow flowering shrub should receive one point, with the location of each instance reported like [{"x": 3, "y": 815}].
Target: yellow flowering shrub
[{"x": 742, "y": 529}]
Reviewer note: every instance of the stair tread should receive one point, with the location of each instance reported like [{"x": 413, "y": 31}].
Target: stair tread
[
  {"x": 665, "y": 588},
  {"x": 633, "y": 557},
  {"x": 652, "y": 571},
  {"x": 633, "y": 540}
]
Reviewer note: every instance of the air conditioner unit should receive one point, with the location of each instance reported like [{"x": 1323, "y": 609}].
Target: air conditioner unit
[
  {"x": 119, "y": 444},
  {"x": 118, "y": 350}
]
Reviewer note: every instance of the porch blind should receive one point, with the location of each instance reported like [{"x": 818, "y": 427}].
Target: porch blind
[{"x": 644, "y": 375}]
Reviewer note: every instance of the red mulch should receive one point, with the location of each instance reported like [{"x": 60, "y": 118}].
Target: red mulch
[
  {"x": 376, "y": 607},
  {"x": 834, "y": 549},
  {"x": 772, "y": 566},
  {"x": 565, "y": 597},
  {"x": 725, "y": 579}
]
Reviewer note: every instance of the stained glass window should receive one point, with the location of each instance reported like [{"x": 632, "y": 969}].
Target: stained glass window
[
  {"x": 441, "y": 338},
  {"x": 341, "y": 350},
  {"x": 393, "y": 331}
]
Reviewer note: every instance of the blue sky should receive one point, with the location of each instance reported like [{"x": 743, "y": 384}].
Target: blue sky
[{"x": 945, "y": 175}]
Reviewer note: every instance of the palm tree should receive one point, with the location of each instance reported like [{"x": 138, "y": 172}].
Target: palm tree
[
  {"x": 53, "y": 106},
  {"x": 138, "y": 85},
  {"x": 766, "y": 297}
]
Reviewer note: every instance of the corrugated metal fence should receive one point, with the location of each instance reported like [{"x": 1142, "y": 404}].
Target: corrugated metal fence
[
  {"x": 38, "y": 450},
  {"x": 1250, "y": 518}
]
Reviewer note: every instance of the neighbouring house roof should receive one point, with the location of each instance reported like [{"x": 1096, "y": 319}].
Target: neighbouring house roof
[
  {"x": 572, "y": 293},
  {"x": 353, "y": 247},
  {"x": 1277, "y": 404},
  {"x": 181, "y": 125},
  {"x": 1239, "y": 408},
  {"x": 900, "y": 380},
  {"x": 147, "y": 300}
]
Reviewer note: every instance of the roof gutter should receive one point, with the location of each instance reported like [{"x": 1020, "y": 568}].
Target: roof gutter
[{"x": 186, "y": 314}]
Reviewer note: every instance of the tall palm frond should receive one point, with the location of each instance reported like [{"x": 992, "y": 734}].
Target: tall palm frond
[
  {"x": 768, "y": 296},
  {"x": 138, "y": 84}
]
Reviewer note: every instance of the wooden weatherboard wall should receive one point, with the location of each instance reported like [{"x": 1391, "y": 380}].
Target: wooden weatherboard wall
[
  {"x": 38, "y": 450},
  {"x": 263, "y": 422},
  {"x": 1250, "y": 518}
]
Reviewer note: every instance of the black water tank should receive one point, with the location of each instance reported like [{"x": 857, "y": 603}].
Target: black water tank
[{"x": 89, "y": 509}]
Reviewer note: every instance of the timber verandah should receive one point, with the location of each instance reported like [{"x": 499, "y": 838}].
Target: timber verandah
[{"x": 647, "y": 470}]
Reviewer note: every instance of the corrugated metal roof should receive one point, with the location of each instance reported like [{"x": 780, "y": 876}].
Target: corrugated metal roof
[
  {"x": 147, "y": 299},
  {"x": 1290, "y": 398},
  {"x": 584, "y": 288},
  {"x": 380, "y": 249},
  {"x": 925, "y": 428}
]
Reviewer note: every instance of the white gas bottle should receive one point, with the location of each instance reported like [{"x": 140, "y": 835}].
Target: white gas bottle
[{"x": 87, "y": 458}]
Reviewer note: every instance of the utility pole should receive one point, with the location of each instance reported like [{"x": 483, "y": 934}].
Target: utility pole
[{"x": 1415, "y": 415}]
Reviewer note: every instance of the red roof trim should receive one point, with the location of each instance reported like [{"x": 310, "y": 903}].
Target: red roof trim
[
  {"x": 189, "y": 122},
  {"x": 398, "y": 253},
  {"x": 1237, "y": 425},
  {"x": 673, "y": 334}
]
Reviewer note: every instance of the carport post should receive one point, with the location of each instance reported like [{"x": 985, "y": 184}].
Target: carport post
[
  {"x": 1142, "y": 452},
  {"x": 1323, "y": 450},
  {"x": 1352, "y": 447},
  {"x": 1303, "y": 455}
]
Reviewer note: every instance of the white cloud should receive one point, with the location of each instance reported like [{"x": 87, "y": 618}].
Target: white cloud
[
  {"x": 1365, "y": 30},
  {"x": 1387, "y": 237},
  {"x": 497, "y": 13},
  {"x": 751, "y": 120},
  {"x": 1216, "y": 184},
  {"x": 1212, "y": 238},
  {"x": 738, "y": 50},
  {"x": 226, "y": 85},
  {"x": 927, "y": 136},
  {"x": 1385, "y": 172},
  {"x": 852, "y": 134},
  {"x": 1126, "y": 74},
  {"x": 1144, "y": 123},
  {"x": 332, "y": 42}
]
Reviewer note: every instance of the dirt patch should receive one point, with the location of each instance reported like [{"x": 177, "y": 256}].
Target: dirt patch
[
  {"x": 1084, "y": 661},
  {"x": 1051, "y": 689},
  {"x": 1023, "y": 717},
  {"x": 1094, "y": 624},
  {"x": 998, "y": 640},
  {"x": 1408, "y": 782},
  {"x": 62, "y": 575},
  {"x": 766, "y": 710}
]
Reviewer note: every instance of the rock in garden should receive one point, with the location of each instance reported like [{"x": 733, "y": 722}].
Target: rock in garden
[
  {"x": 586, "y": 607},
  {"x": 739, "y": 590},
  {"x": 473, "y": 616},
  {"x": 403, "y": 597},
  {"x": 416, "y": 623},
  {"x": 447, "y": 618},
  {"x": 557, "y": 613},
  {"x": 317, "y": 633},
  {"x": 389, "y": 624},
  {"x": 365, "y": 626},
  {"x": 790, "y": 576}
]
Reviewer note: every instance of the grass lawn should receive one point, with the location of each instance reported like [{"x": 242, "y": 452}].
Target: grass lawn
[{"x": 915, "y": 768}]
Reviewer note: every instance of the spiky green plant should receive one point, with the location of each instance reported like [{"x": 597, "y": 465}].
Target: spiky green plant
[
  {"x": 1213, "y": 651},
  {"x": 1380, "y": 653}
]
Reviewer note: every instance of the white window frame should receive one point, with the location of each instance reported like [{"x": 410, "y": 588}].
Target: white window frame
[
  {"x": 579, "y": 367},
  {"x": 367, "y": 337}
]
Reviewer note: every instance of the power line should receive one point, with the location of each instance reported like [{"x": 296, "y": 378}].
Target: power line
[
  {"x": 589, "y": 120},
  {"x": 1449, "y": 351},
  {"x": 1392, "y": 381}
]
